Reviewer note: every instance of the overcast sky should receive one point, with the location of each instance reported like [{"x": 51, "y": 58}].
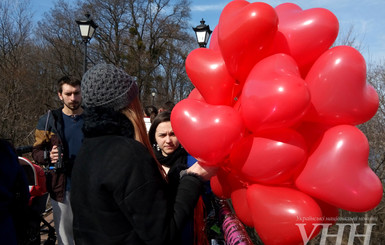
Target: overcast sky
[{"x": 367, "y": 17}]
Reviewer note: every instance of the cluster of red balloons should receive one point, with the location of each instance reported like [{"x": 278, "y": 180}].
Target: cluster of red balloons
[{"x": 275, "y": 107}]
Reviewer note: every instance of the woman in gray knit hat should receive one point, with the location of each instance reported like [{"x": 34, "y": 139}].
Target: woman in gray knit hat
[{"x": 119, "y": 191}]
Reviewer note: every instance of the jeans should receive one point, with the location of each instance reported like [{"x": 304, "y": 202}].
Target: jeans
[{"x": 62, "y": 216}]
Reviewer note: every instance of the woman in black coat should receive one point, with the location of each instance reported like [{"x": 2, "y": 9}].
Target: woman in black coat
[
  {"x": 173, "y": 158},
  {"x": 119, "y": 191},
  {"x": 168, "y": 151}
]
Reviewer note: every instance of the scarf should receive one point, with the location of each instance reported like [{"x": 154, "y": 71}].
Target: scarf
[
  {"x": 177, "y": 161},
  {"x": 100, "y": 121},
  {"x": 178, "y": 157}
]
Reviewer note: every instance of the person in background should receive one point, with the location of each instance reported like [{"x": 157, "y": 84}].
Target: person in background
[
  {"x": 167, "y": 106},
  {"x": 14, "y": 196},
  {"x": 58, "y": 137},
  {"x": 150, "y": 112},
  {"x": 120, "y": 193},
  {"x": 174, "y": 159}
]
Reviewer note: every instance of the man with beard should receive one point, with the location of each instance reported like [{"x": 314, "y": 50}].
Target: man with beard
[{"x": 58, "y": 138}]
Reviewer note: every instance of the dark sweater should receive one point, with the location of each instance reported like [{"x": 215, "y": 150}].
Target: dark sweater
[{"x": 119, "y": 197}]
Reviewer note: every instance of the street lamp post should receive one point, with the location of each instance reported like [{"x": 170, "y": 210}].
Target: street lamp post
[
  {"x": 202, "y": 33},
  {"x": 153, "y": 97},
  {"x": 87, "y": 29}
]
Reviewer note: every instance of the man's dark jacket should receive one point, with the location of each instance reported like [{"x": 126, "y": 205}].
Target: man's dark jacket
[{"x": 49, "y": 132}]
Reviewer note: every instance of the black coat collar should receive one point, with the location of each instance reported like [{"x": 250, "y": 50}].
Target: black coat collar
[{"x": 105, "y": 121}]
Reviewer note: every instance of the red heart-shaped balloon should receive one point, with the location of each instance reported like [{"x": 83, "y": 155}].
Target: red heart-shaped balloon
[
  {"x": 207, "y": 132},
  {"x": 337, "y": 172},
  {"x": 207, "y": 71},
  {"x": 329, "y": 212},
  {"x": 241, "y": 208},
  {"x": 214, "y": 45},
  {"x": 245, "y": 33},
  {"x": 304, "y": 34},
  {"x": 224, "y": 182},
  {"x": 195, "y": 95},
  {"x": 276, "y": 211},
  {"x": 312, "y": 132},
  {"x": 269, "y": 158},
  {"x": 274, "y": 94},
  {"x": 338, "y": 88}
]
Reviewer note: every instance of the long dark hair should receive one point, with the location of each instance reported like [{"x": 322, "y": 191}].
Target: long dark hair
[
  {"x": 134, "y": 113},
  {"x": 164, "y": 116},
  {"x": 127, "y": 122}
]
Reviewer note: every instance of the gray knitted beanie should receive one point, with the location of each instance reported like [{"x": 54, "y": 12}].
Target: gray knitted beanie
[{"x": 108, "y": 86}]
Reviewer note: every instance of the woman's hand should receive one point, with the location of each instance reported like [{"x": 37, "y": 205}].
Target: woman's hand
[{"x": 204, "y": 171}]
